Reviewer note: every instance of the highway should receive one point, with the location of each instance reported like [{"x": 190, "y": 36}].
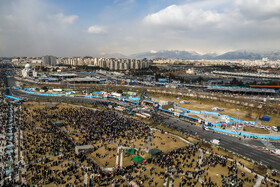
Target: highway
[{"x": 242, "y": 147}]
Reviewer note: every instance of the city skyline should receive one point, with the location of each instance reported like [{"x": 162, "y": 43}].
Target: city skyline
[{"x": 74, "y": 28}]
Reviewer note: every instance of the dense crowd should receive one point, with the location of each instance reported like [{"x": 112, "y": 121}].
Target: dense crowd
[
  {"x": 9, "y": 166},
  {"x": 44, "y": 139},
  {"x": 51, "y": 159}
]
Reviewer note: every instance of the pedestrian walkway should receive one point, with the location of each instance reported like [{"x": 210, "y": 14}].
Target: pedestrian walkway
[{"x": 85, "y": 179}]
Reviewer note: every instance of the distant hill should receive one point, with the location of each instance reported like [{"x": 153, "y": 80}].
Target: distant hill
[
  {"x": 112, "y": 55},
  {"x": 187, "y": 55},
  {"x": 168, "y": 54}
]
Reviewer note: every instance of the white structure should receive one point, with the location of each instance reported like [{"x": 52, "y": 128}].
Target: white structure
[{"x": 28, "y": 71}]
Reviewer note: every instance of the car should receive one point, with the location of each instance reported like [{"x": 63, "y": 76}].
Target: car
[
  {"x": 268, "y": 128},
  {"x": 274, "y": 129},
  {"x": 261, "y": 126},
  {"x": 206, "y": 128}
]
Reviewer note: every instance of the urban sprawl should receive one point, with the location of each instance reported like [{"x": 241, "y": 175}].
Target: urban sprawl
[{"x": 87, "y": 121}]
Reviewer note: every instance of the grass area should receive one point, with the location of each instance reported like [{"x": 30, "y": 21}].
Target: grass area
[
  {"x": 256, "y": 130},
  {"x": 178, "y": 180},
  {"x": 131, "y": 142},
  {"x": 127, "y": 159},
  {"x": 151, "y": 172},
  {"x": 165, "y": 142},
  {"x": 230, "y": 108},
  {"x": 276, "y": 176},
  {"x": 224, "y": 153},
  {"x": 60, "y": 166},
  {"x": 164, "y": 128},
  {"x": 36, "y": 146},
  {"x": 107, "y": 154},
  {"x": 216, "y": 172},
  {"x": 267, "y": 184}
]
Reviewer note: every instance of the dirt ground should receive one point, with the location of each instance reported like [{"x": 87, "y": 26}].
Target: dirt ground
[
  {"x": 107, "y": 154},
  {"x": 230, "y": 109},
  {"x": 165, "y": 142}
]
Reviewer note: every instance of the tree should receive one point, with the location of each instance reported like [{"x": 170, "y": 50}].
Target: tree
[{"x": 44, "y": 88}]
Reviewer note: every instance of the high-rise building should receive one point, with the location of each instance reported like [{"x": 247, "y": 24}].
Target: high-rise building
[{"x": 48, "y": 60}]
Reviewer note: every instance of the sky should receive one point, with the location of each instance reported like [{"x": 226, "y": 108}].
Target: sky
[{"x": 97, "y": 27}]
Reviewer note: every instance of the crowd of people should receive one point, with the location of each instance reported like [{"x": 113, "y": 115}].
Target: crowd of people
[
  {"x": 9, "y": 166},
  {"x": 49, "y": 152},
  {"x": 41, "y": 136}
]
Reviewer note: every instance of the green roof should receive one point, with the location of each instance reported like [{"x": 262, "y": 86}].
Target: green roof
[
  {"x": 137, "y": 159},
  {"x": 130, "y": 151}
]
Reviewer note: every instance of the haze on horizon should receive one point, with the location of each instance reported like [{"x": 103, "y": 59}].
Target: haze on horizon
[{"x": 80, "y": 28}]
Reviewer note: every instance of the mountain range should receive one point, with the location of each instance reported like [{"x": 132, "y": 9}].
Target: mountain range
[{"x": 191, "y": 55}]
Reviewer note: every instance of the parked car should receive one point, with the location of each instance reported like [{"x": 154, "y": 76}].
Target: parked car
[
  {"x": 274, "y": 129},
  {"x": 261, "y": 126},
  {"x": 268, "y": 128}
]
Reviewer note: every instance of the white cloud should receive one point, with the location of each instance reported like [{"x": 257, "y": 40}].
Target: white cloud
[
  {"x": 200, "y": 25},
  {"x": 95, "y": 29},
  {"x": 215, "y": 24},
  {"x": 66, "y": 19},
  {"x": 182, "y": 16},
  {"x": 258, "y": 9}
]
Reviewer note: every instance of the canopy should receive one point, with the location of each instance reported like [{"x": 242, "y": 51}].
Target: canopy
[
  {"x": 130, "y": 151},
  {"x": 137, "y": 159},
  {"x": 8, "y": 171},
  {"x": 9, "y": 146},
  {"x": 9, "y": 152},
  {"x": 155, "y": 152},
  {"x": 9, "y": 134}
]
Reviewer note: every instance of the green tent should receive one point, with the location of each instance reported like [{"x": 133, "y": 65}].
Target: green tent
[
  {"x": 137, "y": 159},
  {"x": 155, "y": 152},
  {"x": 130, "y": 151}
]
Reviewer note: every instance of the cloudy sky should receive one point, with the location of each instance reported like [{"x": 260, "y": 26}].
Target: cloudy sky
[{"x": 94, "y": 27}]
